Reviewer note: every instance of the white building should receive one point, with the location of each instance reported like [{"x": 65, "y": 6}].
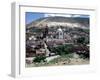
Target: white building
[{"x": 60, "y": 33}]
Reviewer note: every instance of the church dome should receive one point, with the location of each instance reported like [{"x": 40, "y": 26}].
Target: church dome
[{"x": 59, "y": 30}]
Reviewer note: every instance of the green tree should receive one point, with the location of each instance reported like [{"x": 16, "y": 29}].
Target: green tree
[{"x": 40, "y": 58}]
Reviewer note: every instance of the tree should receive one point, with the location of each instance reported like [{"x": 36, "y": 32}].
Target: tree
[
  {"x": 62, "y": 49},
  {"x": 81, "y": 40},
  {"x": 40, "y": 58}
]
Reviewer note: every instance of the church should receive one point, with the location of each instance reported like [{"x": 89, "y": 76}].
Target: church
[{"x": 60, "y": 33}]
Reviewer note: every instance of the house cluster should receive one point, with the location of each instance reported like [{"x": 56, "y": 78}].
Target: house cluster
[{"x": 37, "y": 45}]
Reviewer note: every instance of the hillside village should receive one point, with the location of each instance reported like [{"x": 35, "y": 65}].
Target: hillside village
[{"x": 57, "y": 41}]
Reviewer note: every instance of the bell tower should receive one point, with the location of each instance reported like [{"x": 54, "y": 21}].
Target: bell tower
[{"x": 60, "y": 33}]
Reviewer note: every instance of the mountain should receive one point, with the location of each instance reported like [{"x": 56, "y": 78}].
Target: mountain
[{"x": 59, "y": 21}]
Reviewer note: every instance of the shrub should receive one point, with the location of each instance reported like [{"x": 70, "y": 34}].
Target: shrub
[
  {"x": 39, "y": 58},
  {"x": 83, "y": 40},
  {"x": 62, "y": 49}
]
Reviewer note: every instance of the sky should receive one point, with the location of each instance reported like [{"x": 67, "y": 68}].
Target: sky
[{"x": 31, "y": 16}]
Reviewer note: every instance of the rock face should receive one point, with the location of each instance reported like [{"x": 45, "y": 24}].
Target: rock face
[{"x": 60, "y": 21}]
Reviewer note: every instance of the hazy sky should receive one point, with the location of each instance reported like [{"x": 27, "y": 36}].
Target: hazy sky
[{"x": 31, "y": 16}]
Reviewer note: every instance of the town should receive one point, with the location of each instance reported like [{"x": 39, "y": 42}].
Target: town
[{"x": 57, "y": 43}]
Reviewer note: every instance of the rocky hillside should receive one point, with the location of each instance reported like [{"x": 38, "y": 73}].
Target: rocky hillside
[{"x": 59, "y": 21}]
